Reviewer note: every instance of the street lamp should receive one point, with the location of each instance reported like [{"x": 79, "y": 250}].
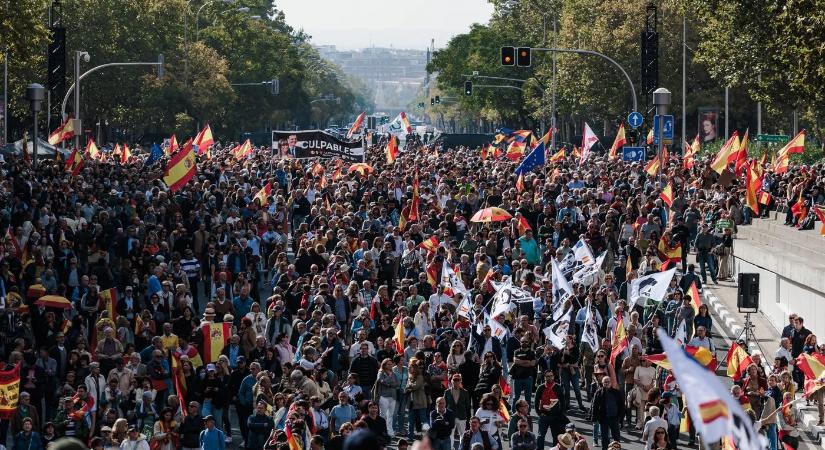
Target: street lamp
[
  {"x": 35, "y": 94},
  {"x": 198, "y": 14},
  {"x": 661, "y": 100}
]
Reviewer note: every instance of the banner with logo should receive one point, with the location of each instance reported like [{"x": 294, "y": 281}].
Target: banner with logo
[
  {"x": 316, "y": 144},
  {"x": 9, "y": 392}
]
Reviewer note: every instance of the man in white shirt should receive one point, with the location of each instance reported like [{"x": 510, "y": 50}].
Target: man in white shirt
[
  {"x": 437, "y": 299},
  {"x": 702, "y": 340},
  {"x": 651, "y": 425}
]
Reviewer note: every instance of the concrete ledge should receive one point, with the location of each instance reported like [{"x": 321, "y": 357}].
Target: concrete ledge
[
  {"x": 801, "y": 246},
  {"x": 786, "y": 263}
]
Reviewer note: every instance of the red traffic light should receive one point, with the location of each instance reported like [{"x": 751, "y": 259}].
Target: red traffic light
[
  {"x": 508, "y": 56},
  {"x": 523, "y": 59}
]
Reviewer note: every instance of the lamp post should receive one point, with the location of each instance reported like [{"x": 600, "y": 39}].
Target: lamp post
[
  {"x": 35, "y": 94},
  {"x": 78, "y": 55},
  {"x": 198, "y": 14},
  {"x": 661, "y": 100}
]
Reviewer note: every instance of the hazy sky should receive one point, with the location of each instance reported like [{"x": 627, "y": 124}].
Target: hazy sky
[{"x": 353, "y": 24}]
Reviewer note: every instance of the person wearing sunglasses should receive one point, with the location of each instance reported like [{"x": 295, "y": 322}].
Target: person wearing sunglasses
[{"x": 523, "y": 439}]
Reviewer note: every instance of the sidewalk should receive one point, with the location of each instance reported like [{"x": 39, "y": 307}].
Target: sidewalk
[{"x": 729, "y": 323}]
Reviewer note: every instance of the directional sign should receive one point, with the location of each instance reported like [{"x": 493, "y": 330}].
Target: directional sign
[
  {"x": 667, "y": 129},
  {"x": 633, "y": 153},
  {"x": 635, "y": 119},
  {"x": 773, "y": 138}
]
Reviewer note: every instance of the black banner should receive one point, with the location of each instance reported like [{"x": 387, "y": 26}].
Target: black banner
[{"x": 316, "y": 144}]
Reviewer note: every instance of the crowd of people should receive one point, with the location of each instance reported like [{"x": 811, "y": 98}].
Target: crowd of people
[{"x": 338, "y": 317}]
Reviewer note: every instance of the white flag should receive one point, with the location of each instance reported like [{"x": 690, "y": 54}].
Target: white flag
[
  {"x": 558, "y": 331},
  {"x": 497, "y": 329},
  {"x": 681, "y": 333},
  {"x": 561, "y": 289},
  {"x": 452, "y": 282},
  {"x": 590, "y": 333},
  {"x": 653, "y": 287},
  {"x": 583, "y": 253},
  {"x": 714, "y": 412},
  {"x": 567, "y": 264},
  {"x": 589, "y": 139},
  {"x": 464, "y": 308}
]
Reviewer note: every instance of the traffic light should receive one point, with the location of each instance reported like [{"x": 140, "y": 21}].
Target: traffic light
[
  {"x": 508, "y": 56},
  {"x": 523, "y": 57},
  {"x": 437, "y": 100},
  {"x": 468, "y": 88},
  {"x": 432, "y": 101}
]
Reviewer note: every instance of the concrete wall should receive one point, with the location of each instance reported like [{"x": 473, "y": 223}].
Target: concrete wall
[{"x": 787, "y": 283}]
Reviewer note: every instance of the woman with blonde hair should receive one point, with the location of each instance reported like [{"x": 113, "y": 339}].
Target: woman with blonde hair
[
  {"x": 422, "y": 321},
  {"x": 456, "y": 356},
  {"x": 119, "y": 430}
]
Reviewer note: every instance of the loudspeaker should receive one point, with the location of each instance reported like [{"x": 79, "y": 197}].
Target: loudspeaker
[
  {"x": 650, "y": 62},
  {"x": 57, "y": 68},
  {"x": 748, "y": 294}
]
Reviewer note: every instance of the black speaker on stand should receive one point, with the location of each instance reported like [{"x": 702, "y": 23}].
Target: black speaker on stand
[{"x": 747, "y": 298}]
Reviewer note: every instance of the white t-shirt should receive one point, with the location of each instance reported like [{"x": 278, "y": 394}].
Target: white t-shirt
[{"x": 492, "y": 416}]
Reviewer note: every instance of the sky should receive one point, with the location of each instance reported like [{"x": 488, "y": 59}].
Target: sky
[{"x": 404, "y": 24}]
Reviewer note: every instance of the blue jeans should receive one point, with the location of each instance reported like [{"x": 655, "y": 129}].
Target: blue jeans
[
  {"x": 522, "y": 385},
  {"x": 705, "y": 258},
  {"x": 418, "y": 417},
  {"x": 217, "y": 413},
  {"x": 773, "y": 437},
  {"x": 569, "y": 377},
  {"x": 443, "y": 444},
  {"x": 401, "y": 409}
]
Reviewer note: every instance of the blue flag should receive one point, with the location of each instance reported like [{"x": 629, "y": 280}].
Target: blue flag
[
  {"x": 154, "y": 157},
  {"x": 536, "y": 158}
]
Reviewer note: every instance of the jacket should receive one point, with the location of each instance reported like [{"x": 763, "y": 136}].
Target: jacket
[
  {"x": 461, "y": 407},
  {"x": 366, "y": 368},
  {"x": 190, "y": 430},
  {"x": 31, "y": 441},
  {"x": 526, "y": 441},
  {"x": 387, "y": 385},
  {"x": 442, "y": 424},
  {"x": 259, "y": 429},
  {"x": 418, "y": 395},
  {"x": 597, "y": 408}
]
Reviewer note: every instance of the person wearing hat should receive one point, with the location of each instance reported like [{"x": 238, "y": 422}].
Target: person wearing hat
[
  {"x": 565, "y": 441},
  {"x": 134, "y": 440},
  {"x": 211, "y": 438},
  {"x": 27, "y": 438}
]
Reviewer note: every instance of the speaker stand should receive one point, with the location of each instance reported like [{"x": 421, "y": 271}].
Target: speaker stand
[{"x": 748, "y": 335}]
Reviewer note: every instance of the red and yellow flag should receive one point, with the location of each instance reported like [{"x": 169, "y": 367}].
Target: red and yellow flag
[
  {"x": 702, "y": 355},
  {"x": 181, "y": 168},
  {"x": 108, "y": 300},
  {"x": 741, "y": 156},
  {"x": 215, "y": 337},
  {"x": 649, "y": 139},
  {"x": 398, "y": 337},
  {"x": 263, "y": 195},
  {"x": 559, "y": 155},
  {"x": 783, "y": 157},
  {"x": 619, "y": 343},
  {"x": 125, "y": 154},
  {"x": 204, "y": 139},
  {"x": 64, "y": 131},
  {"x": 9, "y": 392},
  {"x": 523, "y": 225},
  {"x": 392, "y": 150},
  {"x": 738, "y": 361},
  {"x": 520, "y": 183},
  {"x": 820, "y": 214},
  {"x": 667, "y": 195},
  {"x": 618, "y": 143},
  {"x": 753, "y": 183},
  {"x": 92, "y": 150},
  {"x": 690, "y": 152},
  {"x": 668, "y": 252},
  {"x": 179, "y": 380},
  {"x": 813, "y": 366},
  {"x": 173, "y": 145},
  {"x": 502, "y": 410},
  {"x": 695, "y": 300},
  {"x": 139, "y": 325},
  {"x": 293, "y": 441},
  {"x": 431, "y": 244},
  {"x": 74, "y": 163},
  {"x": 712, "y": 410},
  {"x": 504, "y": 385},
  {"x": 243, "y": 150},
  {"x": 356, "y": 125},
  {"x": 728, "y": 150}
]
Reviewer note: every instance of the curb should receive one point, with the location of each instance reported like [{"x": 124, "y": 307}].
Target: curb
[{"x": 808, "y": 414}]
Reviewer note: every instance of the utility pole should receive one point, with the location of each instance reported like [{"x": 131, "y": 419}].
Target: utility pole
[
  {"x": 684, "y": 82},
  {"x": 661, "y": 100},
  {"x": 759, "y": 110},
  {"x": 553, "y": 105}
]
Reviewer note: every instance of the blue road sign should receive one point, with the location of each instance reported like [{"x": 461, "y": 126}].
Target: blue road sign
[
  {"x": 633, "y": 153},
  {"x": 667, "y": 130},
  {"x": 635, "y": 119}
]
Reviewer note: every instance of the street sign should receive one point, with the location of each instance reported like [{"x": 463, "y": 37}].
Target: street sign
[
  {"x": 667, "y": 130},
  {"x": 633, "y": 153},
  {"x": 773, "y": 138},
  {"x": 635, "y": 119}
]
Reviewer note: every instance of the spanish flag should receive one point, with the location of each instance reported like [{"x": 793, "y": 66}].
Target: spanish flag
[
  {"x": 516, "y": 150},
  {"x": 559, "y": 155},
  {"x": 139, "y": 325},
  {"x": 667, "y": 195},
  {"x": 215, "y": 337},
  {"x": 690, "y": 152},
  {"x": 392, "y": 150},
  {"x": 179, "y": 380},
  {"x": 431, "y": 244},
  {"x": 813, "y": 366},
  {"x": 173, "y": 145},
  {"x": 695, "y": 300},
  {"x": 741, "y": 156},
  {"x": 619, "y": 343},
  {"x": 338, "y": 171},
  {"x": 502, "y": 410},
  {"x": 728, "y": 150},
  {"x": 293, "y": 441},
  {"x": 669, "y": 253},
  {"x": 820, "y": 214},
  {"x": 416, "y": 198},
  {"x": 712, "y": 410},
  {"x": 9, "y": 392},
  {"x": 399, "y": 336},
  {"x": 783, "y": 157},
  {"x": 181, "y": 168},
  {"x": 702, "y": 355},
  {"x": 523, "y": 226},
  {"x": 263, "y": 195},
  {"x": 738, "y": 361},
  {"x": 753, "y": 183},
  {"x": 520, "y": 183},
  {"x": 765, "y": 198},
  {"x": 92, "y": 150},
  {"x": 618, "y": 143},
  {"x": 356, "y": 125},
  {"x": 204, "y": 139},
  {"x": 650, "y": 137},
  {"x": 63, "y": 132},
  {"x": 108, "y": 300},
  {"x": 504, "y": 385},
  {"x": 125, "y": 154},
  {"x": 243, "y": 150},
  {"x": 74, "y": 163}
]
